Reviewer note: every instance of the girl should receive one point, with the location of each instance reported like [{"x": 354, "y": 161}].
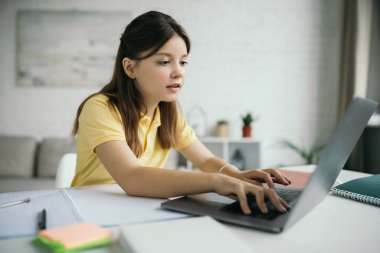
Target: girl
[{"x": 125, "y": 131}]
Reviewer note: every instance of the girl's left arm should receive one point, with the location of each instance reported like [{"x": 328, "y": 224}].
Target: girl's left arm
[{"x": 201, "y": 157}]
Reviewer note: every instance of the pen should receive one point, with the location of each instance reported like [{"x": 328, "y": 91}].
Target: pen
[
  {"x": 12, "y": 203},
  {"x": 42, "y": 220}
]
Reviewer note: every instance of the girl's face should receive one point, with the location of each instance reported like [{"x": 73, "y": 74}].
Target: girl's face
[{"x": 161, "y": 76}]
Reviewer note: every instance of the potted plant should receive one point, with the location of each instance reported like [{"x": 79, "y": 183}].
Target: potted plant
[
  {"x": 222, "y": 129},
  {"x": 310, "y": 156},
  {"x": 248, "y": 119}
]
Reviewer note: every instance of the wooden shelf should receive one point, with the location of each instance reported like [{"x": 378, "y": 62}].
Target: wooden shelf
[{"x": 225, "y": 148}]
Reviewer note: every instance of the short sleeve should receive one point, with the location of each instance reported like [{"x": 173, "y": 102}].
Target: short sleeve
[
  {"x": 98, "y": 123},
  {"x": 185, "y": 134}
]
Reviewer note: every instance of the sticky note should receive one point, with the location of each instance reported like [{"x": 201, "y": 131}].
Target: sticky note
[{"x": 80, "y": 235}]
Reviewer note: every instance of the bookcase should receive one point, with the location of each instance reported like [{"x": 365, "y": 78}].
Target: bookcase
[{"x": 229, "y": 149}]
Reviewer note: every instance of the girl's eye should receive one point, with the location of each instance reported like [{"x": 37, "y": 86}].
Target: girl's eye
[
  {"x": 184, "y": 63},
  {"x": 163, "y": 63}
]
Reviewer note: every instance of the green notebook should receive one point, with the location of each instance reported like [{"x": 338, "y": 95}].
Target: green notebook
[{"x": 366, "y": 189}]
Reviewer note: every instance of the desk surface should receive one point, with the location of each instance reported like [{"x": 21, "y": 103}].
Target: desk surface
[{"x": 335, "y": 225}]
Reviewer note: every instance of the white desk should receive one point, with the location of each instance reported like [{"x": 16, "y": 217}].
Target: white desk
[{"x": 335, "y": 225}]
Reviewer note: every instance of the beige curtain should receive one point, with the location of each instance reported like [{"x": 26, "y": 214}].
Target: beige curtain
[{"x": 354, "y": 63}]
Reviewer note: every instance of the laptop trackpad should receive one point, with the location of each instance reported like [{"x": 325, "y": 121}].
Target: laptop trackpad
[{"x": 213, "y": 197}]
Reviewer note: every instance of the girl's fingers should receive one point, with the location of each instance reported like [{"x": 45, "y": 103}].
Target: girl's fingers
[
  {"x": 268, "y": 176},
  {"x": 258, "y": 192},
  {"x": 243, "y": 202},
  {"x": 252, "y": 181},
  {"x": 241, "y": 188},
  {"x": 259, "y": 196},
  {"x": 276, "y": 200},
  {"x": 287, "y": 179},
  {"x": 263, "y": 176},
  {"x": 277, "y": 176},
  {"x": 285, "y": 204}
]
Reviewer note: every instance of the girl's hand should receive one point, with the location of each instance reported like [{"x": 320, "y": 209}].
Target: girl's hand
[
  {"x": 226, "y": 185},
  {"x": 260, "y": 176}
]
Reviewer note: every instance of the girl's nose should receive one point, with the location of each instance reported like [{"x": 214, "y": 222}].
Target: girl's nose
[{"x": 178, "y": 71}]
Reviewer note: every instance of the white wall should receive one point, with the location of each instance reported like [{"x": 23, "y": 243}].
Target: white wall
[
  {"x": 278, "y": 59},
  {"x": 373, "y": 91}
]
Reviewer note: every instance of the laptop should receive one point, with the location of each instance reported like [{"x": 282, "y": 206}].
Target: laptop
[{"x": 318, "y": 186}]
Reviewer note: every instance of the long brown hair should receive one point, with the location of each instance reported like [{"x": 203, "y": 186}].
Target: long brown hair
[{"x": 145, "y": 34}]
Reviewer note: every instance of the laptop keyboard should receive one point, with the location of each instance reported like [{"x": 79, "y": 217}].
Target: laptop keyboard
[{"x": 289, "y": 195}]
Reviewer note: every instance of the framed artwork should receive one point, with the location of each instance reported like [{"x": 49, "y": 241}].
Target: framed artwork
[{"x": 67, "y": 48}]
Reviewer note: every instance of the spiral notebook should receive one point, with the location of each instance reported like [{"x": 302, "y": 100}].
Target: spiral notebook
[{"x": 366, "y": 189}]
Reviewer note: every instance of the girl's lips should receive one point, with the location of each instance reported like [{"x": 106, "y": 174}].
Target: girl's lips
[{"x": 174, "y": 87}]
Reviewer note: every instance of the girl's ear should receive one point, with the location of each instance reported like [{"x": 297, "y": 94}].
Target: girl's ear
[{"x": 128, "y": 66}]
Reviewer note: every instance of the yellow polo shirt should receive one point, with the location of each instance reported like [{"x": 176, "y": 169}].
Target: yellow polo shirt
[{"x": 98, "y": 124}]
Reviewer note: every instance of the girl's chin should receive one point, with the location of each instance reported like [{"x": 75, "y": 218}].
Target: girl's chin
[{"x": 171, "y": 98}]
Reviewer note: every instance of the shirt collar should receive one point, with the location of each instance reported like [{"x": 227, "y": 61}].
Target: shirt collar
[{"x": 156, "y": 122}]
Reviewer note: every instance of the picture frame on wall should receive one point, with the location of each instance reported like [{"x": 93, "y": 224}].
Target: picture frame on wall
[{"x": 67, "y": 48}]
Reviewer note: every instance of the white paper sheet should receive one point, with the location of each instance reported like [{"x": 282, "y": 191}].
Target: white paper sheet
[
  {"x": 22, "y": 219},
  {"x": 109, "y": 205}
]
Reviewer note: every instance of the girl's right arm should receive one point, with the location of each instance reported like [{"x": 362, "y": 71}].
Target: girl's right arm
[{"x": 137, "y": 180}]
